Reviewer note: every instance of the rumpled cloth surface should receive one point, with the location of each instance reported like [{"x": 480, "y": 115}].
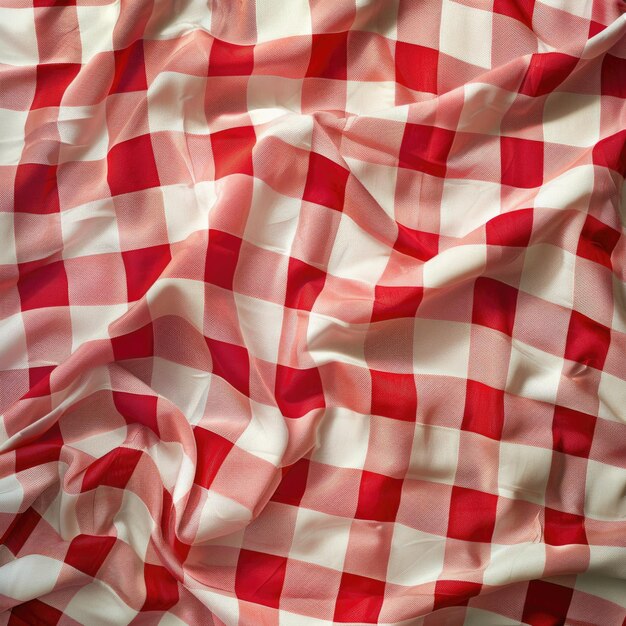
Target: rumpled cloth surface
[{"x": 312, "y": 312}]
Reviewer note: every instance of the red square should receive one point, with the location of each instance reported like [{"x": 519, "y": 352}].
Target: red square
[
  {"x": 143, "y": 267},
  {"x": 521, "y": 162},
  {"x": 379, "y": 497},
  {"x": 546, "y": 604},
  {"x": 304, "y": 284},
  {"x": 87, "y": 553},
  {"x": 329, "y": 56},
  {"x": 597, "y": 241},
  {"x": 360, "y": 599},
  {"x": 614, "y": 76},
  {"x": 396, "y": 302},
  {"x": 298, "y": 391},
  {"x": 561, "y": 529},
  {"x": 520, "y": 10},
  {"x": 587, "y": 341},
  {"x": 510, "y": 229},
  {"x": 454, "y": 593},
  {"x": 137, "y": 344},
  {"x": 472, "y": 515},
  {"x": 230, "y": 59},
  {"x": 114, "y": 469},
  {"x": 39, "y": 381},
  {"x": 232, "y": 151},
  {"x": 161, "y": 588},
  {"x": 19, "y": 530},
  {"x": 484, "y": 410},
  {"x": 260, "y": 578},
  {"x": 417, "y": 243},
  {"x": 293, "y": 484},
  {"x": 416, "y": 67},
  {"x": 426, "y": 149},
  {"x": 494, "y": 305},
  {"x": 137, "y": 409},
  {"x": 52, "y": 81},
  {"x": 572, "y": 431},
  {"x": 611, "y": 152},
  {"x": 325, "y": 182},
  {"x": 212, "y": 450},
  {"x": 45, "y": 449},
  {"x": 34, "y": 612},
  {"x": 131, "y": 166},
  {"x": 42, "y": 285},
  {"x": 546, "y": 71},
  {"x": 221, "y": 259},
  {"x": 35, "y": 189},
  {"x": 394, "y": 395},
  {"x": 130, "y": 69},
  {"x": 231, "y": 363}
]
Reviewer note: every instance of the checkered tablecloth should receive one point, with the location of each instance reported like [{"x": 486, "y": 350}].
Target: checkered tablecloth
[{"x": 312, "y": 312}]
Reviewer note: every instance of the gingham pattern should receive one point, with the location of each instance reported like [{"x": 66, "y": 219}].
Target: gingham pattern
[{"x": 312, "y": 312}]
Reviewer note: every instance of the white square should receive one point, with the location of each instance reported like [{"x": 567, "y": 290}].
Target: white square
[
  {"x": 96, "y": 24},
  {"x": 180, "y": 297},
  {"x": 41, "y": 572},
  {"x": 11, "y": 494},
  {"x": 570, "y": 190},
  {"x": 356, "y": 254},
  {"x": 320, "y": 538},
  {"x": 378, "y": 180},
  {"x": 514, "y": 563},
  {"x": 376, "y": 17},
  {"x": 274, "y": 93},
  {"x": 277, "y": 20},
  {"x": 549, "y": 274},
  {"x": 7, "y": 236},
  {"x": 273, "y": 218},
  {"x": 467, "y": 205},
  {"x": 261, "y": 324},
  {"x": 330, "y": 340},
  {"x": 455, "y": 265},
  {"x": 291, "y": 128},
  {"x": 441, "y": 347},
  {"x": 612, "y": 396},
  {"x": 465, "y": 33},
  {"x": 342, "y": 438},
  {"x": 83, "y": 132},
  {"x": 435, "y": 454},
  {"x": 18, "y": 37},
  {"x": 523, "y": 472},
  {"x": 185, "y": 211},
  {"x": 484, "y": 106},
  {"x": 176, "y": 103},
  {"x": 13, "y": 343},
  {"x": 191, "y": 15},
  {"x": 185, "y": 387},
  {"x": 266, "y": 435},
  {"x": 12, "y": 129},
  {"x": 220, "y": 516},
  {"x": 415, "y": 558},
  {"x": 225, "y": 608},
  {"x": 365, "y": 98},
  {"x": 533, "y": 373},
  {"x": 604, "y": 577},
  {"x": 604, "y": 491},
  {"x": 90, "y": 229},
  {"x": 572, "y": 119},
  {"x": 101, "y": 443},
  {"x": 90, "y": 323},
  {"x": 89, "y": 602},
  {"x": 480, "y": 617}
]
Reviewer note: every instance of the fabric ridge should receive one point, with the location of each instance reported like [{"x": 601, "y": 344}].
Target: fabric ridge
[{"x": 312, "y": 313}]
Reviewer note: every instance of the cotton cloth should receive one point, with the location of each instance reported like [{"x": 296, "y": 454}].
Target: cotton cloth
[{"x": 312, "y": 312}]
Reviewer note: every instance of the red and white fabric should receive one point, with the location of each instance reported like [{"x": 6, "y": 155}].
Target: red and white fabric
[{"x": 312, "y": 312}]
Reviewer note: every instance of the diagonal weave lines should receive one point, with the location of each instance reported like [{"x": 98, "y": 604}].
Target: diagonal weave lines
[{"x": 312, "y": 313}]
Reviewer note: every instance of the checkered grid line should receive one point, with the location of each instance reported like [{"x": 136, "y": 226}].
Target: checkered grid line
[{"x": 312, "y": 314}]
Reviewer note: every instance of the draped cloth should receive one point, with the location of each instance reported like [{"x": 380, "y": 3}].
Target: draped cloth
[{"x": 312, "y": 312}]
